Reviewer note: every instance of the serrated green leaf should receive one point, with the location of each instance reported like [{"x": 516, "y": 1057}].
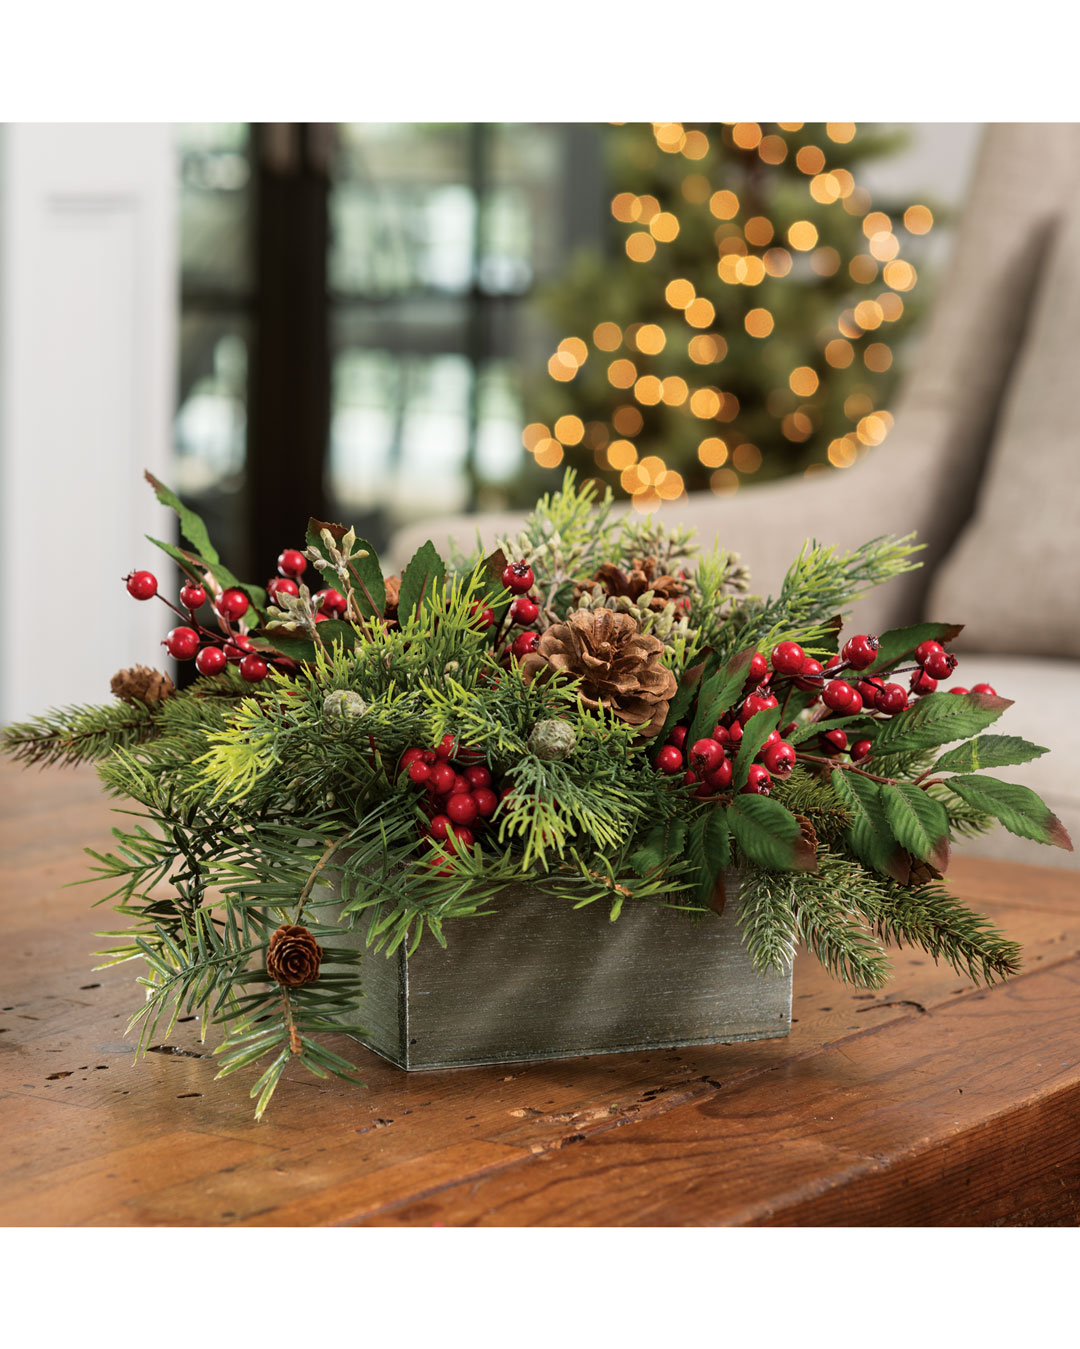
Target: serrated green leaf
[
  {"x": 424, "y": 574},
  {"x": 756, "y": 731},
  {"x": 336, "y": 630},
  {"x": 988, "y": 751},
  {"x": 918, "y": 822},
  {"x": 285, "y": 644},
  {"x": 718, "y": 694},
  {"x": 870, "y": 836},
  {"x": 938, "y": 718},
  {"x": 192, "y": 527},
  {"x": 1018, "y": 808},
  {"x": 768, "y": 834},
  {"x": 900, "y": 642},
  {"x": 684, "y": 695}
]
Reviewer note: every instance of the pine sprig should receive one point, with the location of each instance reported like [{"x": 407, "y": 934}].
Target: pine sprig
[{"x": 72, "y": 735}]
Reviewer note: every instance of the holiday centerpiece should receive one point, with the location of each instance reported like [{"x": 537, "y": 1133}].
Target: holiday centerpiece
[{"x": 652, "y": 784}]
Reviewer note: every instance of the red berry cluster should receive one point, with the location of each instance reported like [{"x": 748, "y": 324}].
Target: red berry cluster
[{"x": 459, "y": 798}]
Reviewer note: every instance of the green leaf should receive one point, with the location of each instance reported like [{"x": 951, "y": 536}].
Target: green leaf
[
  {"x": 425, "y": 574},
  {"x": 709, "y": 848},
  {"x": 191, "y": 525},
  {"x": 718, "y": 694},
  {"x": 337, "y": 630},
  {"x": 684, "y": 694},
  {"x": 494, "y": 592},
  {"x": 285, "y": 644},
  {"x": 812, "y": 728},
  {"x": 900, "y": 642},
  {"x": 1018, "y": 808},
  {"x": 938, "y": 718},
  {"x": 365, "y": 574},
  {"x": 756, "y": 731},
  {"x": 918, "y": 822},
  {"x": 870, "y": 836},
  {"x": 769, "y": 835},
  {"x": 987, "y": 751},
  {"x": 193, "y": 563}
]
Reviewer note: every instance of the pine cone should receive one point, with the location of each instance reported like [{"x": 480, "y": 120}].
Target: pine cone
[
  {"x": 619, "y": 666},
  {"x": 293, "y": 956},
  {"x": 633, "y": 584},
  {"x": 809, "y": 833},
  {"x": 393, "y": 591},
  {"x": 143, "y": 685}
]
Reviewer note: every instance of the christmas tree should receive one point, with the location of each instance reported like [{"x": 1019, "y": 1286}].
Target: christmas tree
[{"x": 746, "y": 320}]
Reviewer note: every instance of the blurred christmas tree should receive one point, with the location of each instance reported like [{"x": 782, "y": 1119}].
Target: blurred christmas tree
[{"x": 745, "y": 322}]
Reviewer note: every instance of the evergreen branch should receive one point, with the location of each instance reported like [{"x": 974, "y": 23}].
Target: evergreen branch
[{"x": 80, "y": 734}]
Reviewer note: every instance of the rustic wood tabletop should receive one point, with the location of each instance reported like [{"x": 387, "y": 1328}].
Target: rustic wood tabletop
[{"x": 931, "y": 1102}]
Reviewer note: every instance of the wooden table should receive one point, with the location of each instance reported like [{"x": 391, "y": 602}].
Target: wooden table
[{"x": 930, "y": 1103}]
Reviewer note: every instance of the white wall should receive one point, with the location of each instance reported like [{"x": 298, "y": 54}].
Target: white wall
[{"x": 87, "y": 374}]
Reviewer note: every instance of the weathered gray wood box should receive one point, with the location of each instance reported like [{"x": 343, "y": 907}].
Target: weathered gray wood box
[{"x": 541, "y": 980}]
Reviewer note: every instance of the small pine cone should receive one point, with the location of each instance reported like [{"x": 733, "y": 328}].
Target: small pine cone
[
  {"x": 143, "y": 685},
  {"x": 809, "y": 833},
  {"x": 293, "y": 957},
  {"x": 641, "y": 580}
]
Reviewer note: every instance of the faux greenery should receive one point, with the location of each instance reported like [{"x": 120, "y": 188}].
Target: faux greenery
[{"x": 243, "y": 800}]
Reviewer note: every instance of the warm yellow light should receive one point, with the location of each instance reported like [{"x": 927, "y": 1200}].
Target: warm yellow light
[
  {"x": 884, "y": 246},
  {"x": 596, "y": 435},
  {"x": 569, "y": 429},
  {"x": 797, "y": 427},
  {"x": 704, "y": 349},
  {"x": 891, "y": 305},
  {"x": 877, "y": 357},
  {"x": 871, "y": 430},
  {"x": 868, "y": 315},
  {"x": 549, "y": 454},
  {"x": 759, "y": 231},
  {"x": 875, "y": 222},
  {"x": 802, "y": 235},
  {"x": 630, "y": 479},
  {"x": 725, "y": 269},
  {"x": 705, "y": 403},
  {"x": 712, "y": 452},
  {"x": 640, "y": 247},
  {"x": 773, "y": 149},
  {"x": 664, "y": 227},
  {"x": 863, "y": 269},
  {"x": 622, "y": 374},
  {"x": 696, "y": 188},
  {"x": 844, "y": 182},
  {"x": 857, "y": 202},
  {"x": 648, "y": 207},
  {"x": 777, "y": 262},
  {"x": 733, "y": 246},
  {"x": 674, "y": 391},
  {"x": 825, "y": 261},
  {"x": 746, "y": 457},
  {"x": 627, "y": 420},
  {"x": 607, "y": 336},
  {"x": 729, "y": 408},
  {"x": 669, "y": 136},
  {"x": 699, "y": 313},
  {"x": 724, "y": 481},
  {"x": 803, "y": 381},
  {"x": 621, "y": 454},
  {"x": 899, "y": 275},
  {"x": 918, "y": 219},
  {"x": 750, "y": 271},
  {"x": 695, "y": 145},
  {"x": 758, "y": 323},
  {"x": 824, "y": 188},
  {"x": 847, "y": 325},
  {"x": 791, "y": 126},
  {"x": 650, "y": 339},
  {"x": 623, "y": 207},
  {"x": 562, "y": 367},
  {"x": 887, "y": 417},
  {"x": 647, "y": 390},
  {"x": 724, "y": 205},
  {"x": 810, "y": 159},
  {"x": 842, "y": 452},
  {"x": 857, "y": 405},
  {"x": 670, "y": 485},
  {"x": 652, "y": 468},
  {"x": 746, "y": 135},
  {"x": 839, "y": 353},
  {"x": 841, "y": 132},
  {"x": 679, "y": 293},
  {"x": 533, "y": 434},
  {"x": 574, "y": 349}
]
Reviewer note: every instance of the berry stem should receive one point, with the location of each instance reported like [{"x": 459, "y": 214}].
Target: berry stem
[{"x": 847, "y": 767}]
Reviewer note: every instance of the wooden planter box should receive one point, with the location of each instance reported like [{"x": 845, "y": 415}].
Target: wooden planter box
[{"x": 541, "y": 980}]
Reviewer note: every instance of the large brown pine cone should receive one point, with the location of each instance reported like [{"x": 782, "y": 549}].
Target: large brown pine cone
[
  {"x": 293, "y": 957},
  {"x": 642, "y": 576},
  {"x": 619, "y": 667},
  {"x": 143, "y": 685}
]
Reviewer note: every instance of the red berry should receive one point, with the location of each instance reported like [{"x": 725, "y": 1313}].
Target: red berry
[
  {"x": 524, "y": 611},
  {"x": 855, "y": 706},
  {"x": 735, "y": 732},
  {"x": 922, "y": 683},
  {"x": 460, "y": 838},
  {"x": 780, "y": 758},
  {"x": 925, "y": 650},
  {"x": 860, "y": 651},
  {"x": 940, "y": 666},
  {"x": 192, "y": 596},
  {"x": 486, "y": 802},
  {"x": 523, "y": 643},
  {"x": 669, "y": 760},
  {"x": 755, "y": 703},
  {"x": 334, "y": 602},
  {"x": 959, "y": 689},
  {"x": 810, "y": 675},
  {"x": 518, "y": 578},
  {"x": 984, "y": 688},
  {"x": 445, "y": 747},
  {"x": 689, "y": 778},
  {"x": 770, "y": 739},
  {"x": 292, "y": 563},
  {"x": 706, "y": 755},
  {"x": 438, "y": 826},
  {"x": 461, "y": 785},
  {"x": 142, "y": 585},
  {"x": 441, "y": 866},
  {"x": 720, "y": 778},
  {"x": 835, "y": 742},
  {"x": 461, "y": 808},
  {"x": 182, "y": 643},
  {"x": 237, "y": 647},
  {"x": 757, "y": 669},
  {"x": 419, "y": 771},
  {"x": 442, "y": 778},
  {"x": 869, "y": 691},
  {"x": 861, "y": 750},
  {"x": 891, "y": 699},
  {"x": 678, "y": 736},
  {"x": 232, "y": 604},
  {"x": 281, "y": 585},
  {"x": 787, "y": 658},
  {"x": 253, "y": 668},
  {"x": 838, "y": 694},
  {"x": 210, "y": 660},
  {"x": 410, "y": 756},
  {"x": 483, "y": 615},
  {"x": 758, "y": 781},
  {"x": 478, "y": 776}
]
